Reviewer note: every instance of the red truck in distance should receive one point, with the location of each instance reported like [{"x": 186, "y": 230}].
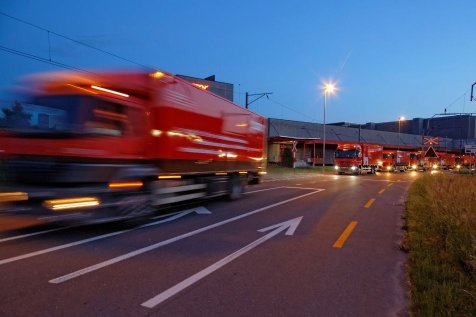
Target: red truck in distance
[
  {"x": 416, "y": 161},
  {"x": 121, "y": 144},
  {"x": 446, "y": 161},
  {"x": 465, "y": 161},
  {"x": 355, "y": 158},
  {"x": 394, "y": 161}
]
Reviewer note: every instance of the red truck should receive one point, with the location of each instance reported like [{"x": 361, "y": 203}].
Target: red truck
[
  {"x": 393, "y": 161},
  {"x": 417, "y": 161},
  {"x": 357, "y": 158},
  {"x": 465, "y": 161},
  {"x": 446, "y": 160},
  {"x": 122, "y": 143}
]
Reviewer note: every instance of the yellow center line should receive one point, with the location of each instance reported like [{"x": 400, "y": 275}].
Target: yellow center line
[
  {"x": 389, "y": 184},
  {"x": 369, "y": 203},
  {"x": 381, "y": 191},
  {"x": 345, "y": 235}
]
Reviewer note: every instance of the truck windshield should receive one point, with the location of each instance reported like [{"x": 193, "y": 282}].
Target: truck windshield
[
  {"x": 346, "y": 153},
  {"x": 389, "y": 156},
  {"x": 63, "y": 114}
]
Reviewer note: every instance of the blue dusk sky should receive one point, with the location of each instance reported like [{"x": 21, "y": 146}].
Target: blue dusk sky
[{"x": 389, "y": 58}]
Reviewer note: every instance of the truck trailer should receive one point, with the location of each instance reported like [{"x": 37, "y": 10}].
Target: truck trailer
[
  {"x": 122, "y": 144},
  {"x": 355, "y": 158}
]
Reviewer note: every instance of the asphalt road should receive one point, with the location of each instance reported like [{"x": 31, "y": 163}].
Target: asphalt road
[{"x": 295, "y": 245}]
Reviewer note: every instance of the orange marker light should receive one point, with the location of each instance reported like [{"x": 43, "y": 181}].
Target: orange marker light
[{"x": 126, "y": 184}]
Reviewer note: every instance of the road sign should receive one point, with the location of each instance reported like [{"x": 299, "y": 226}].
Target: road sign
[
  {"x": 470, "y": 149},
  {"x": 430, "y": 152},
  {"x": 430, "y": 141},
  {"x": 294, "y": 147}
]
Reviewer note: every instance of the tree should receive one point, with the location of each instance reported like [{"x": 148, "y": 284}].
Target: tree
[
  {"x": 288, "y": 159},
  {"x": 16, "y": 117}
]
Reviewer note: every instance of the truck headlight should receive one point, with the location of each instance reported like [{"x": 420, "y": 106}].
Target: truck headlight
[
  {"x": 435, "y": 166},
  {"x": 389, "y": 168},
  {"x": 458, "y": 166},
  {"x": 414, "y": 166},
  {"x": 353, "y": 168},
  {"x": 336, "y": 167}
]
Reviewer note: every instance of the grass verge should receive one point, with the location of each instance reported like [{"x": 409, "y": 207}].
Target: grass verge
[{"x": 441, "y": 240}]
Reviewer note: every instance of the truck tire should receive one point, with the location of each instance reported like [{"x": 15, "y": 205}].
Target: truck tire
[
  {"x": 254, "y": 180},
  {"x": 235, "y": 187}
]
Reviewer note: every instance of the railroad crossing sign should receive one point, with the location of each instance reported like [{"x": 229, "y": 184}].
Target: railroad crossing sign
[
  {"x": 430, "y": 141},
  {"x": 294, "y": 147}
]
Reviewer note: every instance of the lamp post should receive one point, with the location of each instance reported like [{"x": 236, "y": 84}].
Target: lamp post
[
  {"x": 328, "y": 88},
  {"x": 399, "y": 120}
]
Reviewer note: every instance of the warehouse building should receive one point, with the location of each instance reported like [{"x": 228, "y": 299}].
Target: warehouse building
[
  {"x": 221, "y": 89},
  {"x": 309, "y": 140}
]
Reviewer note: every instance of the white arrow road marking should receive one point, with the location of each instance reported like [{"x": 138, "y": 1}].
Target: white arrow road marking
[
  {"x": 289, "y": 225},
  {"x": 199, "y": 210},
  {"x": 129, "y": 255}
]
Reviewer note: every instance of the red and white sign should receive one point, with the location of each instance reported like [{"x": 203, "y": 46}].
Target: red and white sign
[
  {"x": 430, "y": 141},
  {"x": 294, "y": 147}
]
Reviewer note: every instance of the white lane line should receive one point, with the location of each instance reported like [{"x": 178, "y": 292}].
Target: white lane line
[
  {"x": 294, "y": 187},
  {"x": 34, "y": 234},
  {"x": 290, "y": 226},
  {"x": 60, "y": 247},
  {"x": 129, "y": 255},
  {"x": 103, "y": 236},
  {"x": 262, "y": 190}
]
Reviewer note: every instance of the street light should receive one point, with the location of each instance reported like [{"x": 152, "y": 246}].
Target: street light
[
  {"x": 399, "y": 120},
  {"x": 328, "y": 88}
]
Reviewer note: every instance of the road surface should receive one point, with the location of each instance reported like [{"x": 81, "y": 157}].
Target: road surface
[{"x": 295, "y": 245}]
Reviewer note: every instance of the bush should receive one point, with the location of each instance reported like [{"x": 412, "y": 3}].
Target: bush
[{"x": 288, "y": 159}]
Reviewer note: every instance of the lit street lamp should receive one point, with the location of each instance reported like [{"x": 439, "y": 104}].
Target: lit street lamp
[
  {"x": 328, "y": 88},
  {"x": 399, "y": 120}
]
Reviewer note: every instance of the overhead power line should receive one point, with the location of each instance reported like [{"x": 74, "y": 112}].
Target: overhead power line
[
  {"x": 73, "y": 40},
  {"x": 291, "y": 109},
  {"x": 41, "y": 59}
]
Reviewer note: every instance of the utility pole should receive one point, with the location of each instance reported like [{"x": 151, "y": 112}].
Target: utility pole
[
  {"x": 472, "y": 88},
  {"x": 260, "y": 95}
]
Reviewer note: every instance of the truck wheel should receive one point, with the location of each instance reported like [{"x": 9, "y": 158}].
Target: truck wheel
[
  {"x": 235, "y": 187},
  {"x": 254, "y": 180}
]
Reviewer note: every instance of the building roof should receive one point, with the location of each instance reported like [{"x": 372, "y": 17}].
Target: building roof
[{"x": 280, "y": 128}]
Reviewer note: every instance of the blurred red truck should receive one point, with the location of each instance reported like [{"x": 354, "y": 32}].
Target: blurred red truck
[{"x": 123, "y": 143}]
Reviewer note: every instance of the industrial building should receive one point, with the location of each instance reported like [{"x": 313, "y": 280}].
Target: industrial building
[
  {"x": 309, "y": 137},
  {"x": 458, "y": 126},
  {"x": 221, "y": 89}
]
